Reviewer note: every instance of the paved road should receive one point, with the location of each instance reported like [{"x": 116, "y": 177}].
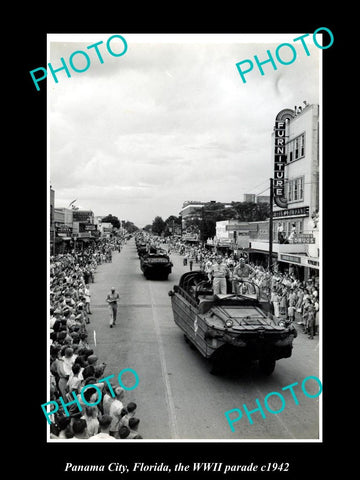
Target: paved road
[{"x": 177, "y": 397}]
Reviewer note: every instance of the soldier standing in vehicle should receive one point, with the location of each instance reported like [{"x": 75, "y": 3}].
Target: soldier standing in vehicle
[
  {"x": 219, "y": 271},
  {"x": 242, "y": 272}
]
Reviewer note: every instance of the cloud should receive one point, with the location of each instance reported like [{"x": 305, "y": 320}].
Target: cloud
[{"x": 168, "y": 121}]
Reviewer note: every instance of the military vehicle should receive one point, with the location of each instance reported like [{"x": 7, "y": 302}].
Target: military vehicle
[
  {"x": 141, "y": 249},
  {"x": 156, "y": 265},
  {"x": 230, "y": 330}
]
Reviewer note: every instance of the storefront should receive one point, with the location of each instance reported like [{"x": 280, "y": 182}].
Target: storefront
[
  {"x": 63, "y": 234},
  {"x": 301, "y": 266},
  {"x": 191, "y": 238},
  {"x": 261, "y": 257}
]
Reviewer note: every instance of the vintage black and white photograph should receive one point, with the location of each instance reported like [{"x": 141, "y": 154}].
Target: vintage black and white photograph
[{"x": 184, "y": 237}]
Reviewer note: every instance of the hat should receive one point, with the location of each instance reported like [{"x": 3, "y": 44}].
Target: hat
[{"x": 92, "y": 359}]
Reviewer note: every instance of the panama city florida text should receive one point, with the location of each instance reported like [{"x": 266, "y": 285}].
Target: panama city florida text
[
  {"x": 80, "y": 60},
  {"x": 179, "y": 467}
]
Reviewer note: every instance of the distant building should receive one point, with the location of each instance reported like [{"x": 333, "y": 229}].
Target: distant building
[
  {"x": 253, "y": 198},
  {"x": 249, "y": 197},
  {"x": 263, "y": 199},
  {"x": 64, "y": 216},
  {"x": 193, "y": 210}
]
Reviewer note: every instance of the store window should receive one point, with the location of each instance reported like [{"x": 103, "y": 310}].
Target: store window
[
  {"x": 287, "y": 226},
  {"x": 295, "y": 189},
  {"x": 296, "y": 148}
]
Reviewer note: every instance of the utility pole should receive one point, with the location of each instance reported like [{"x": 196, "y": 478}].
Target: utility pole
[
  {"x": 202, "y": 238},
  {"x": 271, "y": 224}
]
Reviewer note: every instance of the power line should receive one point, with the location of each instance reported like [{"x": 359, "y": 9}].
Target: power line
[{"x": 266, "y": 189}]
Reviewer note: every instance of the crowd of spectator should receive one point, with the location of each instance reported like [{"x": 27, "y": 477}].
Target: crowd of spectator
[
  {"x": 289, "y": 298},
  {"x": 73, "y": 363}
]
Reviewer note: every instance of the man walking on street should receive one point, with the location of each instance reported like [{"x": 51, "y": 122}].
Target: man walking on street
[{"x": 112, "y": 299}]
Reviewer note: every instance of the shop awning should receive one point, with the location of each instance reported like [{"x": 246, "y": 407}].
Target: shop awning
[
  {"x": 303, "y": 260},
  {"x": 256, "y": 250}
]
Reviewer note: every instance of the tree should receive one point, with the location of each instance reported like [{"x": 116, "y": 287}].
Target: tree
[
  {"x": 214, "y": 212},
  {"x": 172, "y": 223},
  {"x": 158, "y": 226},
  {"x": 173, "y": 220},
  {"x": 251, "y": 212},
  {"x": 115, "y": 222},
  {"x": 129, "y": 226}
]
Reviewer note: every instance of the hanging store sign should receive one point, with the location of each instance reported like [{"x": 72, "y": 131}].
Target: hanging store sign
[
  {"x": 87, "y": 227},
  {"x": 313, "y": 263},
  {"x": 279, "y": 164},
  {"x": 83, "y": 216},
  {"x": 306, "y": 238},
  {"x": 290, "y": 258},
  {"x": 63, "y": 229},
  {"x": 292, "y": 212}
]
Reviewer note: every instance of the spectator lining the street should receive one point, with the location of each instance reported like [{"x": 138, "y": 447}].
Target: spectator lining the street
[
  {"x": 104, "y": 427},
  {"x": 133, "y": 426},
  {"x": 116, "y": 410},
  {"x": 73, "y": 363}
]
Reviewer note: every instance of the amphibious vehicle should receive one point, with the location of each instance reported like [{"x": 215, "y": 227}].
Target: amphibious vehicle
[
  {"x": 156, "y": 265},
  {"x": 229, "y": 330}
]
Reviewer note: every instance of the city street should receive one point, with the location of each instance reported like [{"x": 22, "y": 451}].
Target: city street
[{"x": 177, "y": 397}]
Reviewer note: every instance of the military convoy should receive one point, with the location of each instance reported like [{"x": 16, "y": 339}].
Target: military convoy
[{"x": 154, "y": 261}]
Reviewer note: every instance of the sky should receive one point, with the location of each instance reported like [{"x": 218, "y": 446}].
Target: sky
[{"x": 170, "y": 120}]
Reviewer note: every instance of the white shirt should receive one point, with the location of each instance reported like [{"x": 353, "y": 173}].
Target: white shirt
[
  {"x": 219, "y": 270},
  {"x": 102, "y": 436},
  {"x": 87, "y": 295},
  {"x": 115, "y": 410}
]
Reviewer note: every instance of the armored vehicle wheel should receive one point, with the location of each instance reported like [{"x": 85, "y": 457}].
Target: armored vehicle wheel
[
  {"x": 218, "y": 362},
  {"x": 267, "y": 365},
  {"x": 191, "y": 345}
]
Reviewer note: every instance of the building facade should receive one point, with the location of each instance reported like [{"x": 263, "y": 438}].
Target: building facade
[
  {"x": 301, "y": 171},
  {"x": 249, "y": 197},
  {"x": 298, "y": 216}
]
